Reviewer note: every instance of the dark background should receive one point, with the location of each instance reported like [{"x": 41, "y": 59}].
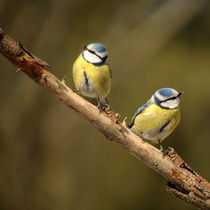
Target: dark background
[{"x": 52, "y": 159}]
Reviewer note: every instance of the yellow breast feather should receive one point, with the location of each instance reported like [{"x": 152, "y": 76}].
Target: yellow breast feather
[
  {"x": 100, "y": 76},
  {"x": 154, "y": 118}
]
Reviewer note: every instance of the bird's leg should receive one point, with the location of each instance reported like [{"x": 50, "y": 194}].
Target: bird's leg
[
  {"x": 100, "y": 107},
  {"x": 75, "y": 90},
  {"x": 107, "y": 102},
  {"x": 161, "y": 148},
  {"x": 141, "y": 136}
]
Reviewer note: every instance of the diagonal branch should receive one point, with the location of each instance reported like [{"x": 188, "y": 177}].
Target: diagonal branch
[{"x": 183, "y": 181}]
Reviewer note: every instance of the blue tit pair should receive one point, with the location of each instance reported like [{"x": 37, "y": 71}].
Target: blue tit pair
[
  {"x": 92, "y": 74},
  {"x": 157, "y": 119}
]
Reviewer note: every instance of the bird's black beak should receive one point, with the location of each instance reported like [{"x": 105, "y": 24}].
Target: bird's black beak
[
  {"x": 180, "y": 93},
  {"x": 84, "y": 47}
]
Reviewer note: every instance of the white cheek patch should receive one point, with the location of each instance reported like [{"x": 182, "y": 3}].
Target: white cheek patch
[
  {"x": 171, "y": 104},
  {"x": 91, "y": 58}
]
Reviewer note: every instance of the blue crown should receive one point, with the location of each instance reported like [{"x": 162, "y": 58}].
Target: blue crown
[
  {"x": 166, "y": 92},
  {"x": 99, "y": 47}
]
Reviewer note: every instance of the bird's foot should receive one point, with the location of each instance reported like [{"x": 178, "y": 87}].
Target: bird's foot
[
  {"x": 100, "y": 107},
  {"x": 75, "y": 90},
  {"x": 161, "y": 149}
]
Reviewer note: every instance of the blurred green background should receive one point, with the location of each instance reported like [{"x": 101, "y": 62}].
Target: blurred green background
[{"x": 52, "y": 159}]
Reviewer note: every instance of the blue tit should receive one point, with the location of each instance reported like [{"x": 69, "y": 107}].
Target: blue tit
[
  {"x": 156, "y": 119},
  {"x": 92, "y": 74}
]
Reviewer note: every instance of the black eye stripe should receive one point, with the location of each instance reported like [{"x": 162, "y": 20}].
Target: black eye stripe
[
  {"x": 162, "y": 103},
  {"x": 93, "y": 52},
  {"x": 172, "y": 98}
]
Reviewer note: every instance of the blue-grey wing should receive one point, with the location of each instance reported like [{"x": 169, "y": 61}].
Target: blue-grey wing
[{"x": 139, "y": 111}]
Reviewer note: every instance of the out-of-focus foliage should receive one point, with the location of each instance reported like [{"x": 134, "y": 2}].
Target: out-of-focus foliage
[{"x": 52, "y": 159}]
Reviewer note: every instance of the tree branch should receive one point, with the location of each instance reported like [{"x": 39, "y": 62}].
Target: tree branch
[{"x": 183, "y": 182}]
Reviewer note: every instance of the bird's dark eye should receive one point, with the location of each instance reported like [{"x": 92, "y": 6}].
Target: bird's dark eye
[
  {"x": 91, "y": 51},
  {"x": 172, "y": 98},
  {"x": 94, "y": 53}
]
